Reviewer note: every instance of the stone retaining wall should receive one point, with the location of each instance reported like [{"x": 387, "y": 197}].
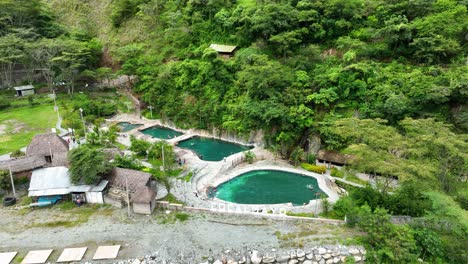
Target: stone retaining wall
[
  {"x": 280, "y": 216},
  {"x": 335, "y": 254}
]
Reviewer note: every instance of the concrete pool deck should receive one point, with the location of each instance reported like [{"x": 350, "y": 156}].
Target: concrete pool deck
[{"x": 213, "y": 173}]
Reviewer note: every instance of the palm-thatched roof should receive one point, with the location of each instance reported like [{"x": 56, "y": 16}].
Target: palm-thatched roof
[
  {"x": 25, "y": 163},
  {"x": 44, "y": 144},
  {"x": 144, "y": 195},
  {"x": 333, "y": 156},
  {"x": 136, "y": 179}
]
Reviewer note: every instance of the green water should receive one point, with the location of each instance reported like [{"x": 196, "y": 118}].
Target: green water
[
  {"x": 161, "y": 132},
  {"x": 269, "y": 187},
  {"x": 212, "y": 149},
  {"x": 126, "y": 126}
]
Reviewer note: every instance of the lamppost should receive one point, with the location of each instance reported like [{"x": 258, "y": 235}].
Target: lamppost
[
  {"x": 56, "y": 109},
  {"x": 82, "y": 120},
  {"x": 151, "y": 110}
]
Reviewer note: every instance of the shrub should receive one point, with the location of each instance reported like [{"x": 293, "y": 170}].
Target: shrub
[
  {"x": 314, "y": 168},
  {"x": 17, "y": 153},
  {"x": 337, "y": 173},
  {"x": 250, "y": 157},
  {"x": 4, "y": 103}
]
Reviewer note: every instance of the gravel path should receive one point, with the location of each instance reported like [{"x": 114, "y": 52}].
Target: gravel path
[{"x": 142, "y": 235}]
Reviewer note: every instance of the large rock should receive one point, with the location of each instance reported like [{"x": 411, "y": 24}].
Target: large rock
[
  {"x": 293, "y": 261},
  {"x": 300, "y": 253},
  {"x": 318, "y": 257},
  {"x": 307, "y": 262},
  {"x": 330, "y": 261},
  {"x": 232, "y": 262},
  {"x": 322, "y": 250},
  {"x": 357, "y": 258},
  {"x": 218, "y": 262},
  {"x": 336, "y": 260},
  {"x": 242, "y": 260},
  {"x": 268, "y": 259},
  {"x": 283, "y": 258},
  {"x": 310, "y": 256},
  {"x": 256, "y": 257},
  {"x": 327, "y": 256},
  {"x": 136, "y": 261},
  {"x": 354, "y": 251}
]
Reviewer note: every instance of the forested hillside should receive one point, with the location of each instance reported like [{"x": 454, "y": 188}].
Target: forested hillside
[
  {"x": 385, "y": 80},
  {"x": 303, "y": 69}
]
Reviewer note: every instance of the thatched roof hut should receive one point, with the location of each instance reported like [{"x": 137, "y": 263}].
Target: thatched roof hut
[
  {"x": 26, "y": 163},
  {"x": 136, "y": 179},
  {"x": 144, "y": 195},
  {"x": 44, "y": 144},
  {"x": 333, "y": 157}
]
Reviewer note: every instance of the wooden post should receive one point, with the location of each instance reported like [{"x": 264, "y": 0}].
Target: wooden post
[{"x": 12, "y": 181}]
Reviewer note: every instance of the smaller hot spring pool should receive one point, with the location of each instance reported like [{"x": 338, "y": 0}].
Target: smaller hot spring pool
[
  {"x": 161, "y": 132},
  {"x": 126, "y": 126},
  {"x": 269, "y": 187},
  {"x": 212, "y": 149}
]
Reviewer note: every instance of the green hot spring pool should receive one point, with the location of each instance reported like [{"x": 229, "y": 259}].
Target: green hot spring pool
[
  {"x": 211, "y": 149},
  {"x": 161, "y": 132},
  {"x": 126, "y": 126},
  {"x": 269, "y": 187}
]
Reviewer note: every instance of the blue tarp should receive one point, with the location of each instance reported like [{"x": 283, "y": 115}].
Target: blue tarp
[{"x": 47, "y": 200}]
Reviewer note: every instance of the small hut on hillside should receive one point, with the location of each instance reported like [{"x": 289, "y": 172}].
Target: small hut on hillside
[
  {"x": 24, "y": 90},
  {"x": 332, "y": 158},
  {"x": 225, "y": 51}
]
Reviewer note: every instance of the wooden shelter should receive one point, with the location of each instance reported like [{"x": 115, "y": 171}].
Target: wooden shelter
[
  {"x": 24, "y": 90},
  {"x": 224, "y": 50},
  {"x": 329, "y": 157},
  {"x": 139, "y": 189}
]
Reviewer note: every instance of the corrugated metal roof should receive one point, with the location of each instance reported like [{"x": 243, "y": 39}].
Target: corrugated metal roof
[
  {"x": 22, "y": 88},
  {"x": 223, "y": 48},
  {"x": 49, "y": 181}
]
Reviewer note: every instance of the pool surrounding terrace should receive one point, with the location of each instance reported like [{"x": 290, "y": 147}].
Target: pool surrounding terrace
[
  {"x": 269, "y": 187},
  {"x": 211, "y": 149},
  {"x": 126, "y": 126},
  {"x": 161, "y": 132}
]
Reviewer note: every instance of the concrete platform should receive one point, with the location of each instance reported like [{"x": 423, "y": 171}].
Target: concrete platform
[
  {"x": 7, "y": 257},
  {"x": 106, "y": 252},
  {"x": 37, "y": 256},
  {"x": 72, "y": 254}
]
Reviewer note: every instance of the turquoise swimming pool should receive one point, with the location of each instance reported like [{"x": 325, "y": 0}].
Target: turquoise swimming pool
[
  {"x": 161, "y": 132},
  {"x": 211, "y": 149},
  {"x": 126, "y": 126},
  {"x": 269, "y": 187}
]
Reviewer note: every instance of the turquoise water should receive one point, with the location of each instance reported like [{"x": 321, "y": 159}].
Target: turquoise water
[
  {"x": 126, "y": 126},
  {"x": 161, "y": 132},
  {"x": 269, "y": 187},
  {"x": 212, "y": 149}
]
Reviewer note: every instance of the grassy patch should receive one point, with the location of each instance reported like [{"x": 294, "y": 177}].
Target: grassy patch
[
  {"x": 172, "y": 199},
  {"x": 300, "y": 214},
  {"x": 23, "y": 123},
  {"x": 172, "y": 218},
  {"x": 294, "y": 235},
  {"x": 182, "y": 217}
]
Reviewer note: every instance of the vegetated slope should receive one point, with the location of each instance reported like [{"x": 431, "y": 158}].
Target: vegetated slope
[
  {"x": 384, "y": 80},
  {"x": 303, "y": 68}
]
